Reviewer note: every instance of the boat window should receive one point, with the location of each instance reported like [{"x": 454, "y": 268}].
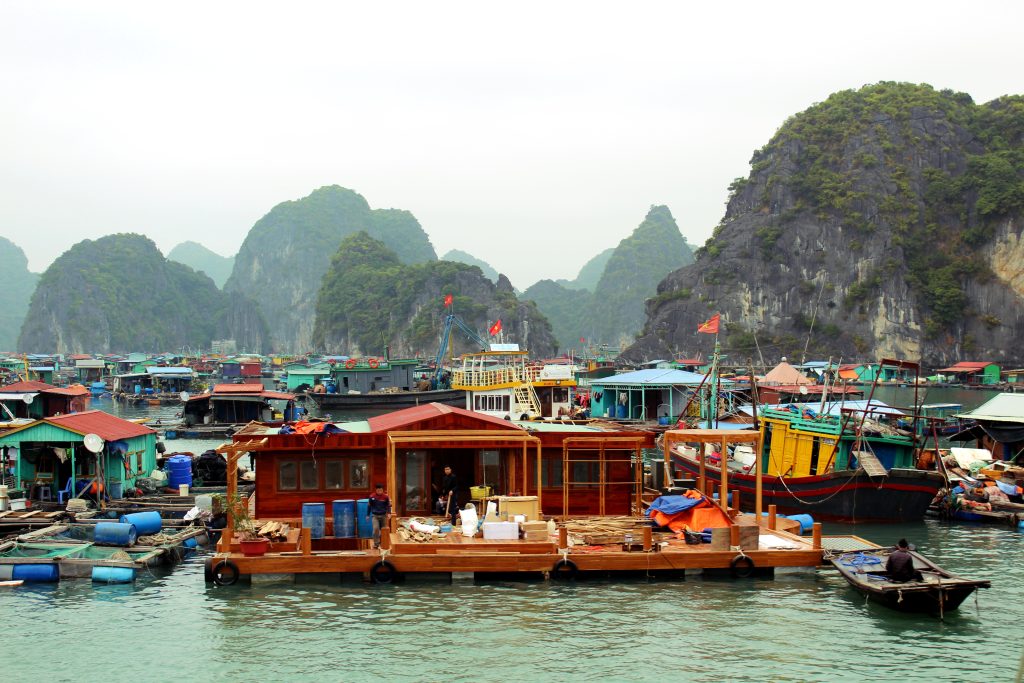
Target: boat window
[
  {"x": 551, "y": 472},
  {"x": 586, "y": 473},
  {"x": 286, "y": 479},
  {"x": 307, "y": 475},
  {"x": 334, "y": 474},
  {"x": 358, "y": 474}
]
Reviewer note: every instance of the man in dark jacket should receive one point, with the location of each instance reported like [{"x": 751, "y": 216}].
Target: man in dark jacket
[
  {"x": 900, "y": 565},
  {"x": 449, "y": 494},
  {"x": 380, "y": 506}
]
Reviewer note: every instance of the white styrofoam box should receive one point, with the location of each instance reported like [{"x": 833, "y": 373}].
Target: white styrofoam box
[{"x": 503, "y": 531}]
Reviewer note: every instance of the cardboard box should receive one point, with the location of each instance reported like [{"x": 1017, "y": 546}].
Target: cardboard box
[
  {"x": 536, "y": 535},
  {"x": 519, "y": 505},
  {"x": 535, "y": 526},
  {"x": 501, "y": 531}
]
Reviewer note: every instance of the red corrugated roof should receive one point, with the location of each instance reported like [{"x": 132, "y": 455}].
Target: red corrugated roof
[
  {"x": 25, "y": 387},
  {"x": 966, "y": 366},
  {"x": 73, "y": 390},
  {"x": 238, "y": 389},
  {"x": 277, "y": 395},
  {"x": 408, "y": 416},
  {"x": 108, "y": 427}
]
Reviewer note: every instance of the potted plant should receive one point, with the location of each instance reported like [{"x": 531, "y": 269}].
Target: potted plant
[{"x": 251, "y": 543}]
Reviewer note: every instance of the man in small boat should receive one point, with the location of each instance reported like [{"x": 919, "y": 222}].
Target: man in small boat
[
  {"x": 900, "y": 565},
  {"x": 378, "y": 510}
]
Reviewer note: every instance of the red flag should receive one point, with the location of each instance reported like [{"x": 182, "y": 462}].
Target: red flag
[
  {"x": 583, "y": 340},
  {"x": 496, "y": 327},
  {"x": 711, "y": 326},
  {"x": 448, "y": 300}
]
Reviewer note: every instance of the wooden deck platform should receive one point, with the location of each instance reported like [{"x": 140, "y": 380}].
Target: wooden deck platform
[{"x": 457, "y": 554}]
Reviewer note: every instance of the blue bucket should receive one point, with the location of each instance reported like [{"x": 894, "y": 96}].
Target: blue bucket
[
  {"x": 113, "y": 574},
  {"x": 115, "y": 533},
  {"x": 116, "y": 489},
  {"x": 145, "y": 522},
  {"x": 344, "y": 512},
  {"x": 42, "y": 573},
  {"x": 363, "y": 524},
  {"x": 313, "y": 516}
]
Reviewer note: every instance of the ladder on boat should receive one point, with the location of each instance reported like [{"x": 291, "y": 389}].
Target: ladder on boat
[
  {"x": 869, "y": 463},
  {"x": 526, "y": 399}
]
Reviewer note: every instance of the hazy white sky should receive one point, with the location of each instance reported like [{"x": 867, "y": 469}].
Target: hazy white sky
[{"x": 530, "y": 134}]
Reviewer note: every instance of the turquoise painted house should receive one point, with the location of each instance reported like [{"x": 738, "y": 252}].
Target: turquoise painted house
[
  {"x": 299, "y": 374},
  {"x": 44, "y": 455}
]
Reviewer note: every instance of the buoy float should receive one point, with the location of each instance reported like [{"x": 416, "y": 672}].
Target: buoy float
[
  {"x": 350, "y": 363},
  {"x": 373, "y": 363}
]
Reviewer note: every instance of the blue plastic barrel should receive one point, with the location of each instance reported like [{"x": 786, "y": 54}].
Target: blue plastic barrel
[
  {"x": 344, "y": 518},
  {"x": 113, "y": 574},
  {"x": 190, "y": 542},
  {"x": 363, "y": 524},
  {"x": 145, "y": 522},
  {"x": 116, "y": 489},
  {"x": 42, "y": 573},
  {"x": 179, "y": 470},
  {"x": 806, "y": 522},
  {"x": 621, "y": 411},
  {"x": 313, "y": 516},
  {"x": 115, "y": 533}
]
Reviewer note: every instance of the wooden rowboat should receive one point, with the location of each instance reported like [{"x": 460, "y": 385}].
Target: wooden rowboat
[{"x": 938, "y": 591}]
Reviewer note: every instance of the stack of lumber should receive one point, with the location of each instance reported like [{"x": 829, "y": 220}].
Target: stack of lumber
[
  {"x": 275, "y": 531},
  {"x": 603, "y": 530}
]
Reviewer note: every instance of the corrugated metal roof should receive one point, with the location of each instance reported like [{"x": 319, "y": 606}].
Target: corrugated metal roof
[
  {"x": 999, "y": 408},
  {"x": 107, "y": 426},
  {"x": 25, "y": 387},
  {"x": 168, "y": 370},
  {"x": 252, "y": 388},
  {"x": 653, "y": 377},
  {"x": 89, "y": 363},
  {"x": 408, "y": 416},
  {"x": 965, "y": 366},
  {"x": 831, "y": 407}
]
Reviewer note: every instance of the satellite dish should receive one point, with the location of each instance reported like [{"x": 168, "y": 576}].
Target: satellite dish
[
  {"x": 183, "y": 396},
  {"x": 28, "y": 398},
  {"x": 93, "y": 443},
  {"x": 803, "y": 390}
]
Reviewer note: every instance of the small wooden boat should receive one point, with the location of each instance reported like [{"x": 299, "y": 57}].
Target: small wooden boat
[{"x": 937, "y": 591}]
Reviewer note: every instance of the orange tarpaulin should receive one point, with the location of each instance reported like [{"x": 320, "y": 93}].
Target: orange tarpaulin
[{"x": 705, "y": 515}]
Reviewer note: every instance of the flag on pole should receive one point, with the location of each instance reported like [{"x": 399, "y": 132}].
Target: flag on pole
[
  {"x": 583, "y": 340},
  {"x": 448, "y": 300},
  {"x": 711, "y": 325},
  {"x": 496, "y": 328}
]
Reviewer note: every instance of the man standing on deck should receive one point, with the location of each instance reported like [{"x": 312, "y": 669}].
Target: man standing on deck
[
  {"x": 379, "y": 508},
  {"x": 450, "y": 495}
]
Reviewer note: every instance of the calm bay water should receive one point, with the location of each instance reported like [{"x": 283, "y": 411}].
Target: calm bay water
[{"x": 805, "y": 627}]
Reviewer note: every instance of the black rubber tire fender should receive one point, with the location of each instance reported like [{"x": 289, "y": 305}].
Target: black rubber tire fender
[
  {"x": 225, "y": 573},
  {"x": 742, "y": 567},
  {"x": 383, "y": 572},
  {"x": 565, "y": 570}
]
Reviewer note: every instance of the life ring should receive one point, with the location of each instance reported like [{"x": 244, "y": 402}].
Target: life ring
[
  {"x": 224, "y": 573},
  {"x": 742, "y": 566},
  {"x": 565, "y": 570},
  {"x": 373, "y": 363},
  {"x": 350, "y": 363},
  {"x": 383, "y": 572}
]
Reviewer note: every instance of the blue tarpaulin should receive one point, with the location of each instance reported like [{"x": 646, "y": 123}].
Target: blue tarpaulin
[{"x": 672, "y": 505}]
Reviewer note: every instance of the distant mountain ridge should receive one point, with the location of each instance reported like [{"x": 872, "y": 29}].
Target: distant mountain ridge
[
  {"x": 118, "y": 294},
  {"x": 370, "y": 300},
  {"x": 459, "y": 256},
  {"x": 287, "y": 252},
  {"x": 199, "y": 258},
  {"x": 16, "y": 293}
]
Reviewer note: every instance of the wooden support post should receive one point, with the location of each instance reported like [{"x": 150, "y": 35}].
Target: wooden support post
[
  {"x": 648, "y": 539},
  {"x": 540, "y": 481},
  {"x": 393, "y": 523},
  {"x": 600, "y": 480},
  {"x": 758, "y": 484},
  {"x": 306, "y": 540},
  {"x": 702, "y": 478},
  {"x": 736, "y": 500},
  {"x": 526, "y": 478},
  {"x": 563, "y": 538},
  {"x": 816, "y": 536},
  {"x": 772, "y": 521},
  {"x": 734, "y": 535},
  {"x": 385, "y": 539},
  {"x": 723, "y": 470}
]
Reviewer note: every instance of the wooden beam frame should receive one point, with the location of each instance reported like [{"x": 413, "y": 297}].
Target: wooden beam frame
[
  {"x": 601, "y": 444},
  {"x": 723, "y": 437},
  {"x": 234, "y": 451}
]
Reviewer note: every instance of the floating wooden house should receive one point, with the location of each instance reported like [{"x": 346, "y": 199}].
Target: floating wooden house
[
  {"x": 36, "y": 400},
  {"x": 971, "y": 373},
  {"x": 47, "y": 453}
]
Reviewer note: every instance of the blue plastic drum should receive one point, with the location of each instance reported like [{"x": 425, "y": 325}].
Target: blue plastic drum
[
  {"x": 344, "y": 518},
  {"x": 313, "y": 518}
]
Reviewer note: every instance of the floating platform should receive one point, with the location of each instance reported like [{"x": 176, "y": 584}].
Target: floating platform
[{"x": 467, "y": 557}]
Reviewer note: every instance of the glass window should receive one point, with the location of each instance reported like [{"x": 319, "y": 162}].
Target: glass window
[
  {"x": 551, "y": 472},
  {"x": 358, "y": 474},
  {"x": 334, "y": 474},
  {"x": 490, "y": 466},
  {"x": 286, "y": 476},
  {"x": 307, "y": 475}
]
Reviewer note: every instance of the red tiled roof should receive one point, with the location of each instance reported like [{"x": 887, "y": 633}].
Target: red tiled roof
[
  {"x": 965, "y": 366},
  {"x": 108, "y": 427},
  {"x": 25, "y": 387},
  {"x": 409, "y": 416}
]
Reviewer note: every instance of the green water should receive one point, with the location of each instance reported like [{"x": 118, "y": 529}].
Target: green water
[
  {"x": 807, "y": 627},
  {"x": 804, "y": 627}
]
